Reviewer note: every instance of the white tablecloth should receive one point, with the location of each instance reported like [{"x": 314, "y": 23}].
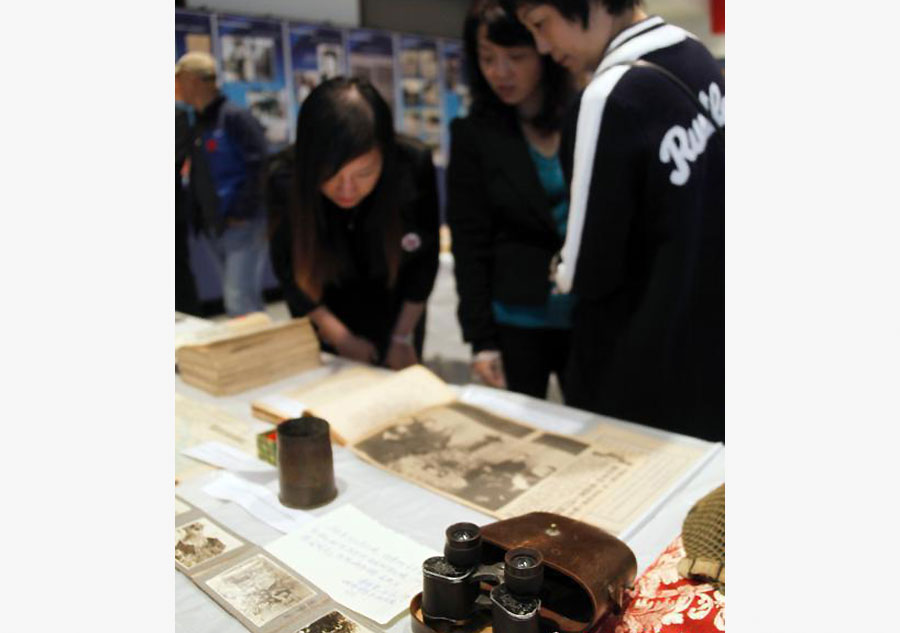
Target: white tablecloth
[{"x": 398, "y": 504}]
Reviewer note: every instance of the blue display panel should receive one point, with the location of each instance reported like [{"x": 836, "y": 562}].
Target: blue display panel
[
  {"x": 421, "y": 103},
  {"x": 193, "y": 32}
]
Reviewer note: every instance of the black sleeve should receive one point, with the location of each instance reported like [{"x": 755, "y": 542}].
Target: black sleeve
[
  {"x": 251, "y": 138},
  {"x": 471, "y": 226},
  {"x": 182, "y": 137},
  {"x": 416, "y": 279},
  {"x": 277, "y": 200}
]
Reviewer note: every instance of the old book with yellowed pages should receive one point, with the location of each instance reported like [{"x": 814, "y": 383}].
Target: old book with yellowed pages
[
  {"x": 191, "y": 330},
  {"x": 310, "y": 393},
  {"x": 356, "y": 401},
  {"x": 259, "y": 353}
]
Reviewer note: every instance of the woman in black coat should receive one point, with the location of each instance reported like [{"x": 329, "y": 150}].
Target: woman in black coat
[
  {"x": 355, "y": 226},
  {"x": 508, "y": 205}
]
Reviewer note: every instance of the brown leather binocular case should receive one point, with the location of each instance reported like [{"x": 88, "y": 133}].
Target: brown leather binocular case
[{"x": 585, "y": 572}]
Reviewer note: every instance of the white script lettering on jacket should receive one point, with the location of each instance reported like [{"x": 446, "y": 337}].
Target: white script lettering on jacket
[{"x": 682, "y": 146}]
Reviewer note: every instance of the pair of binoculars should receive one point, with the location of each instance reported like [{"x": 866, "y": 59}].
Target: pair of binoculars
[{"x": 451, "y": 589}]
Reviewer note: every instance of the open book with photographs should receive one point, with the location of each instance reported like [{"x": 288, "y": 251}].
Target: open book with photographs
[
  {"x": 265, "y": 595},
  {"x": 414, "y": 425}
]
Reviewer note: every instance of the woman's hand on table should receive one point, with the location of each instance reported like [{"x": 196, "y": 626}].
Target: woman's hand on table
[
  {"x": 488, "y": 368},
  {"x": 356, "y": 348},
  {"x": 401, "y": 353}
]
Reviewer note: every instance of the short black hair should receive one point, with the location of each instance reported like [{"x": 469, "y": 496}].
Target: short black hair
[
  {"x": 505, "y": 30},
  {"x": 574, "y": 9}
]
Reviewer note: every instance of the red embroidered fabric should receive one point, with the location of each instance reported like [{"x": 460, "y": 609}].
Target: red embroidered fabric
[{"x": 664, "y": 602}]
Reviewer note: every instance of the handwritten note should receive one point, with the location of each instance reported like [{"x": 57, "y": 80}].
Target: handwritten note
[{"x": 360, "y": 563}]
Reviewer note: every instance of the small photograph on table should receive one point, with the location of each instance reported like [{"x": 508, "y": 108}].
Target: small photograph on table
[
  {"x": 334, "y": 622},
  {"x": 202, "y": 541},
  {"x": 259, "y": 589}
]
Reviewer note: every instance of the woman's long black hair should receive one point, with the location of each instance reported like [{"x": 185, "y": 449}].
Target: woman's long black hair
[
  {"x": 504, "y": 29},
  {"x": 342, "y": 119}
]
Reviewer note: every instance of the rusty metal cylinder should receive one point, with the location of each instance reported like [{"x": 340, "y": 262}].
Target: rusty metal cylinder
[{"x": 305, "y": 463}]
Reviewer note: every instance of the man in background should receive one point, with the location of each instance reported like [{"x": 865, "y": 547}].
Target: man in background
[{"x": 227, "y": 155}]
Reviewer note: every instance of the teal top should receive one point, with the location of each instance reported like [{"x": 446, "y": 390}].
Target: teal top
[{"x": 557, "y": 312}]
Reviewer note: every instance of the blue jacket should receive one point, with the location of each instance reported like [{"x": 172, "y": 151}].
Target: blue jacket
[{"x": 227, "y": 159}]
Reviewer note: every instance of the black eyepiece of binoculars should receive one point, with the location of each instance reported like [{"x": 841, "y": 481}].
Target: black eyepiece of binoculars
[
  {"x": 463, "y": 545},
  {"x": 524, "y": 571}
]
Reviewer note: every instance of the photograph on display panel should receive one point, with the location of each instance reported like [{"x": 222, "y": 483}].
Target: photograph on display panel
[
  {"x": 202, "y": 541},
  {"x": 253, "y": 72},
  {"x": 259, "y": 589},
  {"x": 371, "y": 56},
  {"x": 270, "y": 109},
  {"x": 457, "y": 96},
  {"x": 421, "y": 100},
  {"x": 317, "y": 54},
  {"x": 248, "y": 58}
]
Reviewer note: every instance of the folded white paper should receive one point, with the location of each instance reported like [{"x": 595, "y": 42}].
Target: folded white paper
[
  {"x": 258, "y": 500},
  {"x": 360, "y": 563},
  {"x": 228, "y": 457},
  {"x": 288, "y": 407}
]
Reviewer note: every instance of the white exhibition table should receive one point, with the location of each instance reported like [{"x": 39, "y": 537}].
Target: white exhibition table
[{"x": 403, "y": 506}]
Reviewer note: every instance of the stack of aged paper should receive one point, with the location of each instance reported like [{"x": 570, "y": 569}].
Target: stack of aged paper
[
  {"x": 191, "y": 330},
  {"x": 197, "y": 423},
  {"x": 412, "y": 424},
  {"x": 225, "y": 361}
]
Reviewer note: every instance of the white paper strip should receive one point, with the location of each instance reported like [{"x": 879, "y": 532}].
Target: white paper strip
[
  {"x": 228, "y": 457},
  {"x": 360, "y": 563},
  {"x": 288, "y": 407},
  {"x": 521, "y": 409},
  {"x": 258, "y": 500}
]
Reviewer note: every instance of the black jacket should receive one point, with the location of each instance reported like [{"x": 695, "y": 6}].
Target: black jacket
[
  {"x": 648, "y": 328},
  {"x": 361, "y": 299},
  {"x": 501, "y": 221},
  {"x": 182, "y": 151}
]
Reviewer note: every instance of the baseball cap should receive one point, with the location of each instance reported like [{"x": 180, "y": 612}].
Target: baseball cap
[{"x": 197, "y": 62}]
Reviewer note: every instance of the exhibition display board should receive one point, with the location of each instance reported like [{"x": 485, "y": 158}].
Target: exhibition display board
[{"x": 270, "y": 66}]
